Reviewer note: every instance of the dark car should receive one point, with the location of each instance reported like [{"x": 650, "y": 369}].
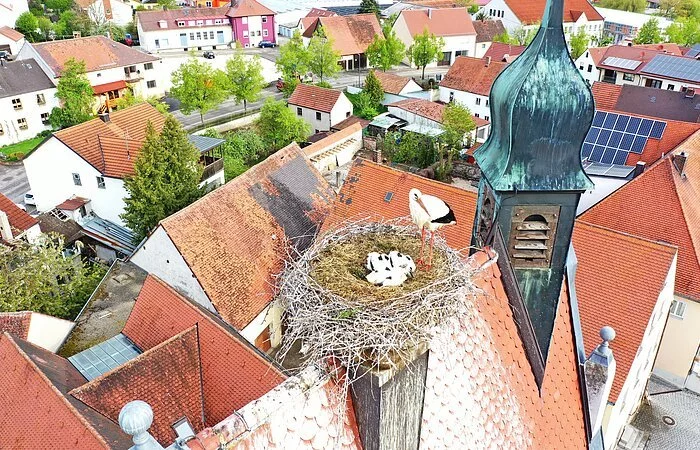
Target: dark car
[
  {"x": 208, "y": 54},
  {"x": 266, "y": 44},
  {"x": 5, "y": 55}
]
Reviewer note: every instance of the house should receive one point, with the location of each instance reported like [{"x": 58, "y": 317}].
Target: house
[
  {"x": 223, "y": 250},
  {"x": 320, "y": 107},
  {"x": 11, "y": 40},
  {"x": 624, "y": 25},
  {"x": 469, "y": 82},
  {"x": 486, "y": 31},
  {"x": 16, "y": 224},
  {"x": 44, "y": 331},
  {"x": 453, "y": 25},
  {"x": 674, "y": 73},
  {"x": 10, "y": 10},
  {"x": 506, "y": 53},
  {"x": 674, "y": 178},
  {"x": 27, "y": 97},
  {"x": 396, "y": 87},
  {"x": 111, "y": 67},
  {"x": 620, "y": 64},
  {"x": 107, "y": 11},
  {"x": 351, "y": 35},
  {"x": 335, "y": 150}
]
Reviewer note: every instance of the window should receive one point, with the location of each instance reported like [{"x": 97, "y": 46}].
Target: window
[
  {"x": 298, "y": 111},
  {"x": 209, "y": 21},
  {"x": 347, "y": 114},
  {"x": 40, "y": 100},
  {"x": 628, "y": 76},
  {"x": 83, "y": 211},
  {"x": 200, "y": 23},
  {"x": 148, "y": 66},
  {"x": 2, "y": 130},
  {"x": 265, "y": 33},
  {"x": 671, "y": 87},
  {"x": 22, "y": 123},
  {"x": 264, "y": 19},
  {"x": 190, "y": 23},
  {"x": 590, "y": 67},
  {"x": 199, "y": 35},
  {"x": 532, "y": 235},
  {"x": 100, "y": 182},
  {"x": 218, "y": 21},
  {"x": 678, "y": 308},
  {"x": 76, "y": 179},
  {"x": 245, "y": 33},
  {"x": 180, "y": 23},
  {"x": 318, "y": 115},
  {"x": 245, "y": 21},
  {"x": 191, "y": 36},
  {"x": 183, "y": 429},
  {"x": 476, "y": 115},
  {"x": 258, "y": 33},
  {"x": 157, "y": 42},
  {"x": 478, "y": 101},
  {"x": 452, "y": 96},
  {"x": 45, "y": 118},
  {"x": 487, "y": 104},
  {"x": 580, "y": 67},
  {"x": 654, "y": 84},
  {"x": 486, "y": 117},
  {"x": 151, "y": 84},
  {"x": 211, "y": 35},
  {"x": 17, "y": 103}
]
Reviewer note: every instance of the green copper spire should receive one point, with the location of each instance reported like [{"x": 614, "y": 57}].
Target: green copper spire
[{"x": 541, "y": 109}]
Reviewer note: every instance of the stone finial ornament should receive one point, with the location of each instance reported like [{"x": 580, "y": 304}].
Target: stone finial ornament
[{"x": 135, "y": 419}]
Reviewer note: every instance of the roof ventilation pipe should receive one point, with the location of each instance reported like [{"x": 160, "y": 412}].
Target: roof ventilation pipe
[{"x": 135, "y": 419}]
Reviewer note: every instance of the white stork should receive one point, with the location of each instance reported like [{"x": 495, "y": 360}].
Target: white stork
[{"x": 430, "y": 213}]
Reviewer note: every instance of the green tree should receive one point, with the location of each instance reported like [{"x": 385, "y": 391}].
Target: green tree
[
  {"x": 625, "y": 5},
  {"x": 39, "y": 277},
  {"x": 242, "y": 150},
  {"x": 167, "y": 4},
  {"x": 71, "y": 21},
  {"x": 166, "y": 177},
  {"x": 244, "y": 78},
  {"x": 293, "y": 59},
  {"x": 386, "y": 52},
  {"x": 457, "y": 121},
  {"x": 649, "y": 33},
  {"x": 323, "y": 59},
  {"x": 369, "y": 6},
  {"x": 128, "y": 99},
  {"x": 278, "y": 125},
  {"x": 363, "y": 106},
  {"x": 520, "y": 36},
  {"x": 59, "y": 5},
  {"x": 579, "y": 43},
  {"x": 684, "y": 32},
  {"x": 45, "y": 27},
  {"x": 27, "y": 24},
  {"x": 76, "y": 96},
  {"x": 426, "y": 48},
  {"x": 198, "y": 87},
  {"x": 373, "y": 88}
]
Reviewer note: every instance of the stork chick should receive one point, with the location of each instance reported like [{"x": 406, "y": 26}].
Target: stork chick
[{"x": 429, "y": 213}]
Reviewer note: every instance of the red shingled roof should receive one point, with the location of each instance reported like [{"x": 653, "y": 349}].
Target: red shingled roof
[
  {"x": 320, "y": 12},
  {"x": 660, "y": 205},
  {"x": 19, "y": 220},
  {"x": 609, "y": 279},
  {"x": 392, "y": 84},
  {"x": 112, "y": 147},
  {"x": 472, "y": 75},
  {"x": 11, "y": 33},
  {"x": 15, "y": 323},
  {"x": 314, "y": 97},
  {"x": 422, "y": 107},
  {"x": 350, "y": 34},
  {"x": 641, "y": 53},
  {"x": 440, "y": 22},
  {"x": 149, "y": 19},
  {"x": 531, "y": 11},
  {"x": 498, "y": 51},
  {"x": 605, "y": 95},
  {"x": 233, "y": 372},
  {"x": 248, "y": 8},
  {"x": 72, "y": 203}
]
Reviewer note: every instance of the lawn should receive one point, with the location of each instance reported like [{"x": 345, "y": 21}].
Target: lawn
[{"x": 18, "y": 150}]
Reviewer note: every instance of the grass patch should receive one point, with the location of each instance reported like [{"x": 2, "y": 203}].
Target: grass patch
[{"x": 16, "y": 152}]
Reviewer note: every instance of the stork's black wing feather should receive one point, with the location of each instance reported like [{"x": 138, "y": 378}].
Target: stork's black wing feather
[{"x": 447, "y": 218}]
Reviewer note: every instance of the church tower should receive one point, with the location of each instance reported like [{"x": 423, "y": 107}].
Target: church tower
[{"x": 532, "y": 177}]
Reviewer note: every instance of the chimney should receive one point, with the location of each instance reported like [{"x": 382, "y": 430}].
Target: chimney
[
  {"x": 430, "y": 13},
  {"x": 639, "y": 168},
  {"x": 104, "y": 117},
  {"x": 5, "y": 229},
  {"x": 690, "y": 93},
  {"x": 599, "y": 372},
  {"x": 679, "y": 160},
  {"x": 135, "y": 419},
  {"x": 488, "y": 61}
]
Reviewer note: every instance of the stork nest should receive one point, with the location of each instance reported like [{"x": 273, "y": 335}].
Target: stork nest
[{"x": 334, "y": 312}]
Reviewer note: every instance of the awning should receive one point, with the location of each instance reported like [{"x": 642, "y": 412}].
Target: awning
[{"x": 107, "y": 87}]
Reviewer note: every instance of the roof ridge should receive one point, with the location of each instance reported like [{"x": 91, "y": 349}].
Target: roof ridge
[
  {"x": 46, "y": 379},
  {"x": 666, "y": 246}
]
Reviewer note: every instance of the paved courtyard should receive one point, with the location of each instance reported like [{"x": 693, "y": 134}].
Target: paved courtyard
[{"x": 13, "y": 182}]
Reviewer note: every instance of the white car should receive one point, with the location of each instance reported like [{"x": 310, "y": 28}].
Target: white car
[{"x": 29, "y": 199}]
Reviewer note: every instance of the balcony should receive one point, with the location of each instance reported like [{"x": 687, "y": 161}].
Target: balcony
[{"x": 212, "y": 165}]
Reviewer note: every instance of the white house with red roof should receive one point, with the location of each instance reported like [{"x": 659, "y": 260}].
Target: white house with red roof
[
  {"x": 320, "y": 107},
  {"x": 469, "y": 82},
  {"x": 11, "y": 40},
  {"x": 15, "y": 223}
]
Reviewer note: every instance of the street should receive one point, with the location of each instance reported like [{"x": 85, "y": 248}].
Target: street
[{"x": 13, "y": 182}]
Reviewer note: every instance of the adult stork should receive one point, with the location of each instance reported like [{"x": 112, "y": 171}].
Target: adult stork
[{"x": 430, "y": 213}]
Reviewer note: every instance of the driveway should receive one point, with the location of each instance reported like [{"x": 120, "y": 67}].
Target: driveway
[{"x": 13, "y": 182}]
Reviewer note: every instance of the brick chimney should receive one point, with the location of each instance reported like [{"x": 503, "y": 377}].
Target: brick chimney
[
  {"x": 599, "y": 370},
  {"x": 5, "y": 229},
  {"x": 488, "y": 61},
  {"x": 679, "y": 160}
]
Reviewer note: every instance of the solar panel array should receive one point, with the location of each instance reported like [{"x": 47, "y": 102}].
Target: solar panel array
[
  {"x": 674, "y": 67},
  {"x": 693, "y": 52},
  {"x": 621, "y": 63},
  {"x": 613, "y": 137},
  {"x": 103, "y": 357}
]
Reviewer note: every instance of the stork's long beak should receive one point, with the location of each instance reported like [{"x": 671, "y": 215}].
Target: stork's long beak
[{"x": 420, "y": 202}]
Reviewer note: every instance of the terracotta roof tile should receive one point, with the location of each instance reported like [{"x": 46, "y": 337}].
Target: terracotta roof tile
[
  {"x": 314, "y": 97},
  {"x": 234, "y": 239},
  {"x": 349, "y": 122},
  {"x": 15, "y": 323},
  {"x": 11, "y": 33},
  {"x": 350, "y": 34},
  {"x": 472, "y": 75},
  {"x": 422, "y": 107},
  {"x": 320, "y": 12},
  {"x": 332, "y": 139},
  {"x": 392, "y": 84},
  {"x": 486, "y": 30},
  {"x": 499, "y": 51},
  {"x": 19, "y": 220},
  {"x": 609, "y": 279},
  {"x": 112, "y": 147},
  {"x": 149, "y": 19},
  {"x": 73, "y": 203},
  {"x": 103, "y": 53},
  {"x": 605, "y": 95},
  {"x": 440, "y": 22},
  {"x": 114, "y": 85},
  {"x": 233, "y": 372},
  {"x": 248, "y": 8},
  {"x": 167, "y": 377},
  {"x": 531, "y": 11}
]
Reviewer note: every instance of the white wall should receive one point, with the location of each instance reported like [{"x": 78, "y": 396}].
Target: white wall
[
  {"x": 255, "y": 27},
  {"x": 413, "y": 118},
  {"x": 334, "y": 160},
  {"x": 121, "y": 12},
  {"x": 603, "y": 187},
  {"x": 48, "y": 332},
  {"x": 665, "y": 84},
  {"x": 140, "y": 86},
  {"x": 169, "y": 38},
  {"x": 31, "y": 111},
  {"x": 159, "y": 256},
  {"x": 452, "y": 43},
  {"x": 679, "y": 345},
  {"x": 339, "y": 113},
  {"x": 8, "y": 17},
  {"x": 15, "y": 46},
  {"x": 469, "y": 100},
  {"x": 341, "y": 109},
  {"x": 510, "y": 20}
]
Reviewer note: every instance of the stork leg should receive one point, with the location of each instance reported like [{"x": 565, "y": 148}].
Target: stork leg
[
  {"x": 430, "y": 257},
  {"x": 420, "y": 262}
]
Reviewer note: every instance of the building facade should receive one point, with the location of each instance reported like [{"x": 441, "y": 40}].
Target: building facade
[{"x": 320, "y": 107}]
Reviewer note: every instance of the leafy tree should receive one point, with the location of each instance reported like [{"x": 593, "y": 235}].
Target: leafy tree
[
  {"x": 426, "y": 48},
  {"x": 59, "y": 5},
  {"x": 579, "y": 43},
  {"x": 27, "y": 24},
  {"x": 293, "y": 59},
  {"x": 625, "y": 5},
  {"x": 278, "y": 125},
  {"x": 166, "y": 178},
  {"x": 520, "y": 36},
  {"x": 245, "y": 79},
  {"x": 40, "y": 278},
  {"x": 369, "y": 6},
  {"x": 457, "y": 121},
  {"x": 132, "y": 29},
  {"x": 649, "y": 33},
  {"x": 363, "y": 106},
  {"x": 167, "y": 4},
  {"x": 46, "y": 28},
  {"x": 128, "y": 99},
  {"x": 71, "y": 21},
  {"x": 289, "y": 84},
  {"x": 76, "y": 96},
  {"x": 481, "y": 16},
  {"x": 410, "y": 148},
  {"x": 684, "y": 32},
  {"x": 373, "y": 88},
  {"x": 603, "y": 40},
  {"x": 242, "y": 150},
  {"x": 198, "y": 87},
  {"x": 324, "y": 84},
  {"x": 323, "y": 59},
  {"x": 386, "y": 52}
]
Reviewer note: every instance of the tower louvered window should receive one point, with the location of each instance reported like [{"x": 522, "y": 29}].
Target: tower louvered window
[{"x": 532, "y": 236}]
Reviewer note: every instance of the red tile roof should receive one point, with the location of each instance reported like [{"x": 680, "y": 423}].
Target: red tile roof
[
  {"x": 103, "y": 52},
  {"x": 235, "y": 238},
  {"x": 350, "y": 34},
  {"x": 73, "y": 203},
  {"x": 640, "y": 53},
  {"x": 248, "y": 8},
  {"x": 367, "y": 184},
  {"x": 531, "y": 11},
  {"x": 11, "y": 33},
  {"x": 320, "y": 12},
  {"x": 149, "y": 19},
  {"x": 107, "y": 87},
  {"x": 233, "y": 372},
  {"x": 486, "y": 30},
  {"x": 660, "y": 205},
  {"x": 440, "y": 22},
  {"x": 606, "y": 95},
  {"x": 609, "y": 279},
  {"x": 349, "y": 122},
  {"x": 314, "y": 97},
  {"x": 15, "y": 323},
  {"x": 19, "y": 220},
  {"x": 422, "y": 107},
  {"x": 112, "y": 147},
  {"x": 392, "y": 84},
  {"x": 499, "y": 51},
  {"x": 167, "y": 377},
  {"x": 472, "y": 75}
]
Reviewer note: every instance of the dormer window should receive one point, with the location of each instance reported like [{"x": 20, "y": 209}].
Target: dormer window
[
  {"x": 200, "y": 22},
  {"x": 218, "y": 21},
  {"x": 180, "y": 23},
  {"x": 162, "y": 24},
  {"x": 532, "y": 236}
]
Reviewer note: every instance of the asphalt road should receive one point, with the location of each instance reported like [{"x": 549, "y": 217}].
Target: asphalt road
[{"x": 13, "y": 182}]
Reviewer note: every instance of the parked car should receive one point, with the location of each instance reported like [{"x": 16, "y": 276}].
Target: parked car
[
  {"x": 208, "y": 54},
  {"x": 280, "y": 84},
  {"x": 5, "y": 55},
  {"x": 266, "y": 44},
  {"x": 29, "y": 199}
]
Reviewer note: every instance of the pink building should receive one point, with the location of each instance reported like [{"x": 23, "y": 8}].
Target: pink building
[{"x": 251, "y": 22}]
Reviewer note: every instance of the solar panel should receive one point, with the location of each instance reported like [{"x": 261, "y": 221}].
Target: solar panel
[
  {"x": 657, "y": 130},
  {"x": 613, "y": 136},
  {"x": 621, "y": 63},
  {"x": 671, "y": 66}
]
